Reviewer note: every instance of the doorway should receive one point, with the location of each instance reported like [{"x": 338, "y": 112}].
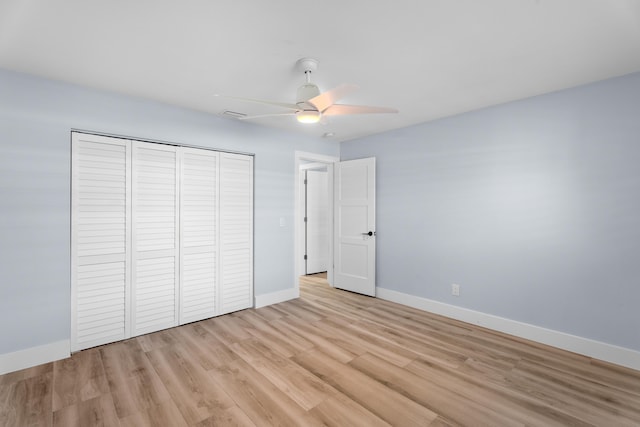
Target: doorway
[
  {"x": 316, "y": 217},
  {"x": 315, "y": 162}
]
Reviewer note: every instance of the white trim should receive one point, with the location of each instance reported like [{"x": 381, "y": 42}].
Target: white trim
[
  {"x": 314, "y": 166},
  {"x": 587, "y": 347},
  {"x": 314, "y": 157},
  {"x": 276, "y": 297},
  {"x": 34, "y": 356}
]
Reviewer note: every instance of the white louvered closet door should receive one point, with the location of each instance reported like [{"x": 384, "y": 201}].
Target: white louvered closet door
[
  {"x": 236, "y": 232},
  {"x": 160, "y": 236},
  {"x": 198, "y": 234},
  {"x": 99, "y": 240},
  {"x": 155, "y": 248}
]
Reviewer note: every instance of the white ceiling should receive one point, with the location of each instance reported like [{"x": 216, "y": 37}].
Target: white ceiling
[{"x": 427, "y": 58}]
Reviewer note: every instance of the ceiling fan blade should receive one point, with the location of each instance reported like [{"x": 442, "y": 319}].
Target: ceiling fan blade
[
  {"x": 262, "y": 101},
  {"x": 259, "y": 116},
  {"x": 330, "y": 97},
  {"x": 341, "y": 109}
]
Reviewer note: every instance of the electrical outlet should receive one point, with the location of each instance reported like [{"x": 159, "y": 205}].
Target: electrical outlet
[{"x": 455, "y": 290}]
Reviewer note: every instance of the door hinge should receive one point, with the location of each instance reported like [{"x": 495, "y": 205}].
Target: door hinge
[
  {"x": 305, "y": 182},
  {"x": 305, "y": 257},
  {"x": 305, "y": 219}
]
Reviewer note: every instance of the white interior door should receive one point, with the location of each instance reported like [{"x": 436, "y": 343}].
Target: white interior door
[
  {"x": 155, "y": 250},
  {"x": 355, "y": 226},
  {"x": 199, "y": 195},
  {"x": 100, "y": 240},
  {"x": 236, "y": 232},
  {"x": 317, "y": 221}
]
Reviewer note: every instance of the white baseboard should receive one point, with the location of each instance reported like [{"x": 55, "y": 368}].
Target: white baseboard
[
  {"x": 276, "y": 297},
  {"x": 587, "y": 347},
  {"x": 34, "y": 356}
]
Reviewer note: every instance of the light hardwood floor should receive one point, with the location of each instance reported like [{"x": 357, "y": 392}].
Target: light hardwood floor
[{"x": 328, "y": 358}]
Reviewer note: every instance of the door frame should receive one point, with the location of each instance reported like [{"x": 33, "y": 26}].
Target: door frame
[{"x": 302, "y": 157}]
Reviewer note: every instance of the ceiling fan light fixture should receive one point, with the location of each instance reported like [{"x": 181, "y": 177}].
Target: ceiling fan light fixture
[{"x": 308, "y": 116}]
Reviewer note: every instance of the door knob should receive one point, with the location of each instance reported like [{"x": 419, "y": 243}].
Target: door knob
[{"x": 371, "y": 233}]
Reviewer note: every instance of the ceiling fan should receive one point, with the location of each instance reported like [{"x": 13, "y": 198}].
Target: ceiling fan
[{"x": 311, "y": 105}]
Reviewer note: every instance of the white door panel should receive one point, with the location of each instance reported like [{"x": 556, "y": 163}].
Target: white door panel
[
  {"x": 99, "y": 240},
  {"x": 199, "y": 227},
  {"x": 317, "y": 224},
  {"x": 236, "y": 232},
  {"x": 155, "y": 219},
  {"x": 355, "y": 226}
]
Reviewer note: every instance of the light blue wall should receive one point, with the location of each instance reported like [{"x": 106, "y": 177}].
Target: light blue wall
[
  {"x": 36, "y": 117},
  {"x": 532, "y": 207}
]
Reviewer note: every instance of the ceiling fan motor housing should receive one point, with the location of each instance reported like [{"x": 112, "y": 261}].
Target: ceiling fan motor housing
[{"x": 305, "y": 93}]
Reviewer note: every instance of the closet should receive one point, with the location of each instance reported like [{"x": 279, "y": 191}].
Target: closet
[{"x": 161, "y": 235}]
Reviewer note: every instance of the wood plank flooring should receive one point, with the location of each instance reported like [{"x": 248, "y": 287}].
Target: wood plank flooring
[{"x": 328, "y": 358}]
